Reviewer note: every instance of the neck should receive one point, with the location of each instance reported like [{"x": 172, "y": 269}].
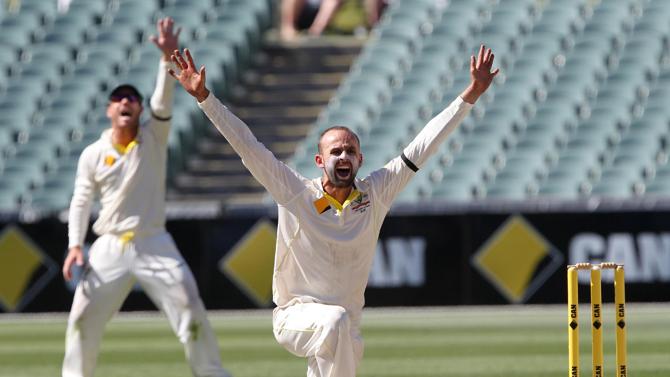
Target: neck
[
  {"x": 338, "y": 193},
  {"x": 123, "y": 136}
]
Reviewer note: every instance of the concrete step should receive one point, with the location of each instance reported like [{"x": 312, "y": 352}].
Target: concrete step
[
  {"x": 218, "y": 184},
  {"x": 223, "y": 149},
  {"x": 248, "y": 112},
  {"x": 309, "y": 63},
  {"x": 298, "y": 79},
  {"x": 202, "y": 166},
  {"x": 279, "y": 99},
  {"x": 316, "y": 97},
  {"x": 289, "y": 130},
  {"x": 268, "y": 120},
  {"x": 231, "y": 199}
]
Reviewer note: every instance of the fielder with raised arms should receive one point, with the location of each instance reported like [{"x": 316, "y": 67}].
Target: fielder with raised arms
[
  {"x": 126, "y": 168},
  {"x": 329, "y": 226}
]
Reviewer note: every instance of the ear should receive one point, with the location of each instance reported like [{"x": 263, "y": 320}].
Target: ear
[
  {"x": 109, "y": 111},
  {"x": 318, "y": 159},
  {"x": 360, "y": 160}
]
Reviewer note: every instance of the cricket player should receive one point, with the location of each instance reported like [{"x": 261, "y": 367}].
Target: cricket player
[
  {"x": 328, "y": 226},
  {"x": 126, "y": 169}
]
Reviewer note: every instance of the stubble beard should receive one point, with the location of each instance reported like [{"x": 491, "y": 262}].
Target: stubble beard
[{"x": 337, "y": 181}]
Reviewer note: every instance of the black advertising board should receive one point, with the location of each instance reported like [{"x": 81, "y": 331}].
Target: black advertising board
[{"x": 437, "y": 259}]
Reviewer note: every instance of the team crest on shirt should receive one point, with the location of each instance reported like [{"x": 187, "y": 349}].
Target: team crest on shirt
[
  {"x": 110, "y": 160},
  {"x": 361, "y": 203}
]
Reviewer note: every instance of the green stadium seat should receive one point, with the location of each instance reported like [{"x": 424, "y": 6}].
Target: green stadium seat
[
  {"x": 65, "y": 39},
  {"x": 72, "y": 22},
  {"x": 126, "y": 7},
  {"x": 456, "y": 193},
  {"x": 262, "y": 9},
  {"x": 125, "y": 36},
  {"x": 15, "y": 36},
  {"x": 38, "y": 7},
  {"x": 26, "y": 20},
  {"x": 8, "y": 200},
  {"x": 506, "y": 190},
  {"x": 183, "y": 15}
]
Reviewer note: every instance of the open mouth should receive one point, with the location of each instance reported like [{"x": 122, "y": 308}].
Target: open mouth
[
  {"x": 126, "y": 114},
  {"x": 343, "y": 172}
]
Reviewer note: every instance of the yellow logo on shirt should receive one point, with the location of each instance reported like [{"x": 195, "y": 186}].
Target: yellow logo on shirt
[
  {"x": 110, "y": 160},
  {"x": 361, "y": 203}
]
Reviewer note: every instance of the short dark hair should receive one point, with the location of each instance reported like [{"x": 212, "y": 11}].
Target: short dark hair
[{"x": 337, "y": 128}]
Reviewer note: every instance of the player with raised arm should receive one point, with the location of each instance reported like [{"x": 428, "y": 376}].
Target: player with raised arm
[
  {"x": 328, "y": 226},
  {"x": 126, "y": 169}
]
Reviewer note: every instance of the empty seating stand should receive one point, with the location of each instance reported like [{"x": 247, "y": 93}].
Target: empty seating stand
[
  {"x": 57, "y": 69},
  {"x": 576, "y": 112}
]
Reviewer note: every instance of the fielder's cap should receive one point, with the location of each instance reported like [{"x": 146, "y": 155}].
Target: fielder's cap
[{"x": 124, "y": 89}]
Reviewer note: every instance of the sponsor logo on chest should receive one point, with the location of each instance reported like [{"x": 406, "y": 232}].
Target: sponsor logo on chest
[{"x": 360, "y": 204}]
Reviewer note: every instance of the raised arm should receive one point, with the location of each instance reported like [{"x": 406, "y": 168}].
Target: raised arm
[
  {"x": 481, "y": 75},
  {"x": 394, "y": 176},
  {"x": 282, "y": 182},
  {"x": 166, "y": 41},
  {"x": 427, "y": 142}
]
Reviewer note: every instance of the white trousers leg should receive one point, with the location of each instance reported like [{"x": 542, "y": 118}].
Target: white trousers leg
[
  {"x": 323, "y": 334},
  {"x": 169, "y": 282},
  {"x": 102, "y": 289},
  {"x": 113, "y": 269}
]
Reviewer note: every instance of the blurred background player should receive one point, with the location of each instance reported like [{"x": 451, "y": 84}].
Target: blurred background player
[
  {"x": 316, "y": 15},
  {"x": 313, "y": 15},
  {"x": 126, "y": 168},
  {"x": 328, "y": 227}
]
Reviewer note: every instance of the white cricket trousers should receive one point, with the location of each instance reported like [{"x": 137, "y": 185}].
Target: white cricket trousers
[
  {"x": 113, "y": 268},
  {"x": 323, "y": 334}
]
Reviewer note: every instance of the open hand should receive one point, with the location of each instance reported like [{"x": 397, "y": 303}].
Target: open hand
[
  {"x": 480, "y": 74},
  {"x": 191, "y": 79},
  {"x": 167, "y": 39}
]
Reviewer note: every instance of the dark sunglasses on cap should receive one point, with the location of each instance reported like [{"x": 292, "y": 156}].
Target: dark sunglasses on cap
[{"x": 119, "y": 97}]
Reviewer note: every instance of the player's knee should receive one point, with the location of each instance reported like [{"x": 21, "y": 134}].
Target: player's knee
[
  {"x": 337, "y": 318},
  {"x": 336, "y": 321}
]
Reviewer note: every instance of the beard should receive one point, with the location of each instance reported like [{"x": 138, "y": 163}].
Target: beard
[{"x": 341, "y": 179}]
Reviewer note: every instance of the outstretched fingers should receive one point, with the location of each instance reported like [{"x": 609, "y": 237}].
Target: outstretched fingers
[
  {"x": 179, "y": 61},
  {"x": 202, "y": 74},
  {"x": 173, "y": 74},
  {"x": 190, "y": 58},
  {"x": 480, "y": 56}
]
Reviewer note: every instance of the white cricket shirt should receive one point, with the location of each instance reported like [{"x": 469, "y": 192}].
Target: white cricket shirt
[
  {"x": 131, "y": 183},
  {"x": 324, "y": 255}
]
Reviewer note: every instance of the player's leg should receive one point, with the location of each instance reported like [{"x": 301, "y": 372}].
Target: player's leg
[
  {"x": 321, "y": 333},
  {"x": 99, "y": 294},
  {"x": 167, "y": 279}
]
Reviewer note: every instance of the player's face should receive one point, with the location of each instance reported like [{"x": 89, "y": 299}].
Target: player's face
[
  {"x": 340, "y": 157},
  {"x": 124, "y": 110}
]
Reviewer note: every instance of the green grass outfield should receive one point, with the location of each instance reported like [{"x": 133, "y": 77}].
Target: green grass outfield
[{"x": 451, "y": 341}]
